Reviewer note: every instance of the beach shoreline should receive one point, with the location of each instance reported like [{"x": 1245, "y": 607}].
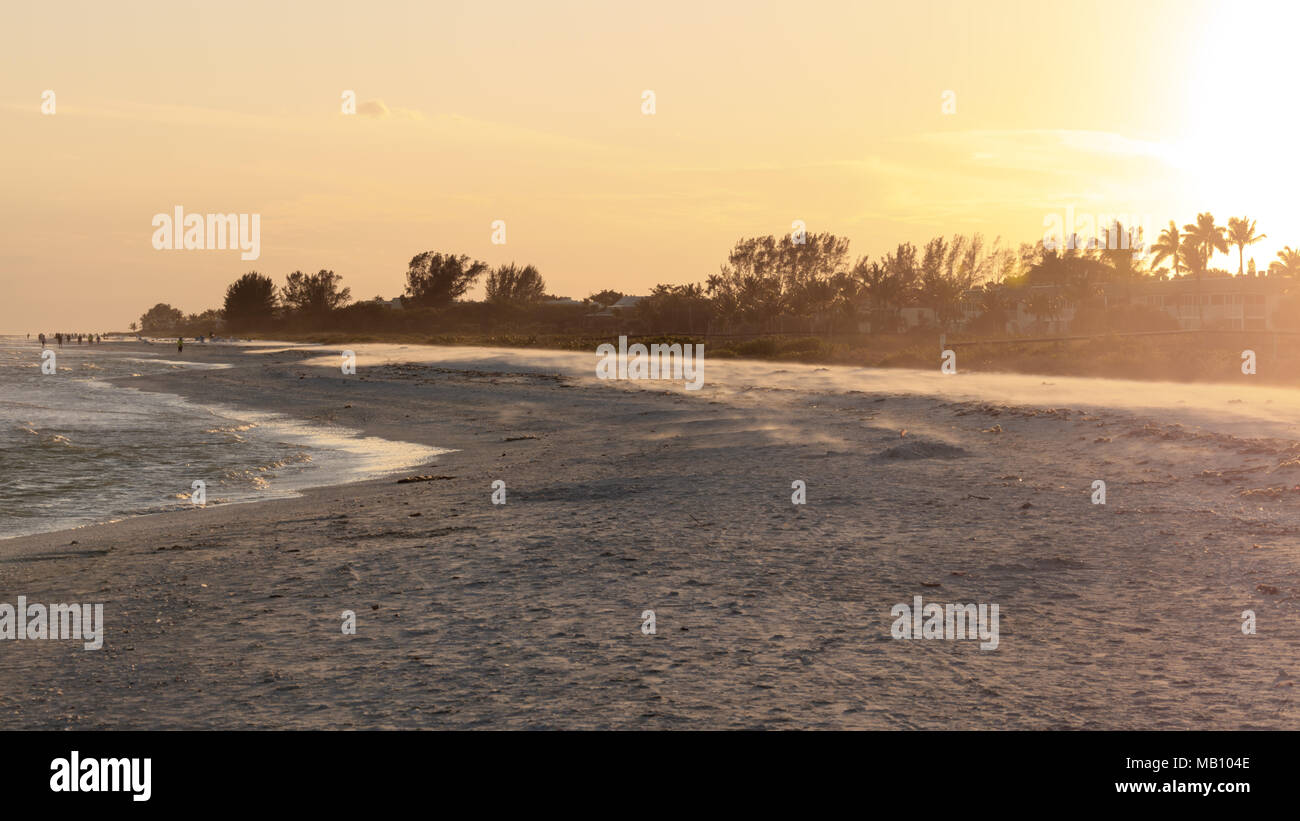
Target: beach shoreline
[
  {"x": 84, "y": 445},
  {"x": 622, "y": 499}
]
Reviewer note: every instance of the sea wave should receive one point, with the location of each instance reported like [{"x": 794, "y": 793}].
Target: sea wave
[{"x": 76, "y": 448}]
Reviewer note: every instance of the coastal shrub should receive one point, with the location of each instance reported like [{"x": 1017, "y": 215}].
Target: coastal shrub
[
  {"x": 756, "y": 348},
  {"x": 802, "y": 345}
]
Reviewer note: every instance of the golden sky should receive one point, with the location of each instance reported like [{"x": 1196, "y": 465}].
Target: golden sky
[{"x": 766, "y": 113}]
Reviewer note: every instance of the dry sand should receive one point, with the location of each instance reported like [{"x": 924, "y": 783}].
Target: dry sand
[{"x": 628, "y": 497}]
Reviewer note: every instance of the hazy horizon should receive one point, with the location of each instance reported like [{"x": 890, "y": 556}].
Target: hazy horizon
[{"x": 832, "y": 114}]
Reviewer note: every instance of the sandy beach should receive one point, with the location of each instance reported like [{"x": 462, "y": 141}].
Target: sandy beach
[{"x": 627, "y": 497}]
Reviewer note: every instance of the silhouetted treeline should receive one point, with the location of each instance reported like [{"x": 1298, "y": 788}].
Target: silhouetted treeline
[{"x": 794, "y": 284}]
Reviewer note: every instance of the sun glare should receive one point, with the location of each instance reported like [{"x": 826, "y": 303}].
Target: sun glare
[{"x": 1237, "y": 148}]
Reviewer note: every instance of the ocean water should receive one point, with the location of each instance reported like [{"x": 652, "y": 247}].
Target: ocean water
[{"x": 77, "y": 449}]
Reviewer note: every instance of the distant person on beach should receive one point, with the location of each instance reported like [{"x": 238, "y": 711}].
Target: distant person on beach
[
  {"x": 59, "y": 337},
  {"x": 42, "y": 340},
  {"x": 180, "y": 344}
]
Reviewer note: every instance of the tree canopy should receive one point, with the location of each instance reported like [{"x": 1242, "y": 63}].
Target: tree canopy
[
  {"x": 161, "y": 319},
  {"x": 250, "y": 301},
  {"x": 514, "y": 285},
  {"x": 435, "y": 279},
  {"x": 316, "y": 293}
]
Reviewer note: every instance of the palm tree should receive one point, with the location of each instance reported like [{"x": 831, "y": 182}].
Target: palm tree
[
  {"x": 1241, "y": 232},
  {"x": 1287, "y": 263},
  {"x": 1196, "y": 262},
  {"x": 1124, "y": 259},
  {"x": 1206, "y": 236},
  {"x": 1169, "y": 246}
]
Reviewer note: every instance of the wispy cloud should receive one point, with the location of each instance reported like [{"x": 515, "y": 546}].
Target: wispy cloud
[
  {"x": 379, "y": 110},
  {"x": 1042, "y": 149}
]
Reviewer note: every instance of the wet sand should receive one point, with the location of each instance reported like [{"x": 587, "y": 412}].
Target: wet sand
[{"x": 623, "y": 498}]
